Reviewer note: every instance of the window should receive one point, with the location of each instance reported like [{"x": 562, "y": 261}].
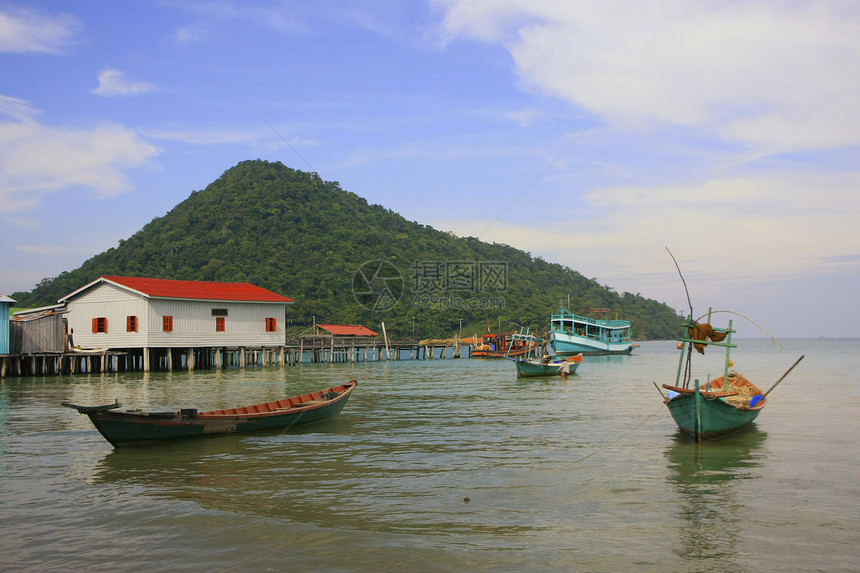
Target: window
[
  {"x": 131, "y": 324},
  {"x": 167, "y": 323},
  {"x": 271, "y": 325},
  {"x": 219, "y": 324},
  {"x": 219, "y": 312},
  {"x": 100, "y": 324}
]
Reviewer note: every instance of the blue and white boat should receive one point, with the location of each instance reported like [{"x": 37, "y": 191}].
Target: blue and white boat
[{"x": 590, "y": 335}]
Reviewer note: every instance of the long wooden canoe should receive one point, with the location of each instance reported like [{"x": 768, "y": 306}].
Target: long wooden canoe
[{"x": 137, "y": 427}]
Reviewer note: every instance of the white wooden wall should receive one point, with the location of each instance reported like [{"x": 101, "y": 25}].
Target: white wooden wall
[{"x": 193, "y": 323}]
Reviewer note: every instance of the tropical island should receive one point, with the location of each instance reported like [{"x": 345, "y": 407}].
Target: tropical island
[{"x": 343, "y": 260}]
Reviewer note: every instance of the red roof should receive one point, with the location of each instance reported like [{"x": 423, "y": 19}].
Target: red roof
[
  {"x": 347, "y": 330},
  {"x": 199, "y": 290}
]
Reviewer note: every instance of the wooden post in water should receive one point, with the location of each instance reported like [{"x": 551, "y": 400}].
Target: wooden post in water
[{"x": 385, "y": 337}]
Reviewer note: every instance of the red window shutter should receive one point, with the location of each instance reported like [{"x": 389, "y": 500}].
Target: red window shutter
[
  {"x": 95, "y": 325},
  {"x": 105, "y": 330}
]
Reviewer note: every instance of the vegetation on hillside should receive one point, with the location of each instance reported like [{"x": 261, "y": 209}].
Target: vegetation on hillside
[{"x": 345, "y": 261}]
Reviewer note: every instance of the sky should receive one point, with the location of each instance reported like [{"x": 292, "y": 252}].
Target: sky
[{"x": 591, "y": 134}]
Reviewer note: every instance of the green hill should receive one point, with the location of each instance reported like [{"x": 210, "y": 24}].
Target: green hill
[{"x": 345, "y": 261}]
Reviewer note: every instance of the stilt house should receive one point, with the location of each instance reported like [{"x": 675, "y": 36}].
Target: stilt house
[{"x": 119, "y": 313}]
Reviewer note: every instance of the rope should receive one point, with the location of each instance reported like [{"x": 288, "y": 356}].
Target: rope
[
  {"x": 774, "y": 338},
  {"x": 613, "y": 442}
]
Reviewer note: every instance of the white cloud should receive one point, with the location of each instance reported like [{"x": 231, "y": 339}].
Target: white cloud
[
  {"x": 36, "y": 159},
  {"x": 222, "y": 136},
  {"x": 19, "y": 109},
  {"x": 523, "y": 117},
  {"x": 114, "y": 83},
  {"x": 769, "y": 227},
  {"x": 24, "y": 31},
  {"x": 191, "y": 34},
  {"x": 771, "y": 75}
]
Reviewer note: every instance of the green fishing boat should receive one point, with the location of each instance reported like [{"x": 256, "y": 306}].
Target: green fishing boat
[
  {"x": 536, "y": 362},
  {"x": 531, "y": 367},
  {"x": 722, "y": 405}
]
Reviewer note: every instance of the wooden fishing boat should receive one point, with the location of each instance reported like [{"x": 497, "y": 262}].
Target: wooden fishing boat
[
  {"x": 137, "y": 427},
  {"x": 486, "y": 345},
  {"x": 501, "y": 346},
  {"x": 511, "y": 347},
  {"x": 535, "y": 361},
  {"x": 595, "y": 334},
  {"x": 721, "y": 406},
  {"x": 529, "y": 367}
]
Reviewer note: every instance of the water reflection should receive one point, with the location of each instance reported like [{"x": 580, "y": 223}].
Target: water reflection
[
  {"x": 5, "y": 415},
  {"x": 708, "y": 480}
]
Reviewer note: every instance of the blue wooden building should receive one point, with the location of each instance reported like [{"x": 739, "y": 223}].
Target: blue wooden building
[{"x": 5, "y": 304}]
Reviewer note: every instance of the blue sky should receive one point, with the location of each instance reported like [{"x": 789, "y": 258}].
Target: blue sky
[{"x": 592, "y": 134}]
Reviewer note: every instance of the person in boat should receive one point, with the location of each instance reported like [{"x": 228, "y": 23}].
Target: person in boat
[{"x": 565, "y": 369}]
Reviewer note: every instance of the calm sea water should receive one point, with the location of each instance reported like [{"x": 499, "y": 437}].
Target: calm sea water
[{"x": 584, "y": 474}]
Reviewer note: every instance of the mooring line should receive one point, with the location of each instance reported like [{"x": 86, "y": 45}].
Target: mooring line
[
  {"x": 636, "y": 427},
  {"x": 547, "y": 168}
]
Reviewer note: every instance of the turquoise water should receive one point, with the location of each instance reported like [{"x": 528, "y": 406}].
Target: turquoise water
[{"x": 445, "y": 465}]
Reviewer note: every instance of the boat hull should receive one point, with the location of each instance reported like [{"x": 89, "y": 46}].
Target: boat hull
[
  {"x": 136, "y": 428},
  {"x": 511, "y": 353},
  {"x": 569, "y": 344},
  {"x": 571, "y": 333},
  {"x": 707, "y": 418},
  {"x": 534, "y": 368}
]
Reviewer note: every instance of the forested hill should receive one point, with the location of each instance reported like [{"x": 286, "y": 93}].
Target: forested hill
[{"x": 345, "y": 261}]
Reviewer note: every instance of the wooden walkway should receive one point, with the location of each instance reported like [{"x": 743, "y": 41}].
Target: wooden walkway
[{"x": 207, "y": 358}]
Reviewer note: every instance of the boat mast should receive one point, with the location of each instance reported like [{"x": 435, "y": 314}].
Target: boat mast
[{"x": 728, "y": 361}]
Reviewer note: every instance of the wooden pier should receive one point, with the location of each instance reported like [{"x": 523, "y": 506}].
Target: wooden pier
[{"x": 316, "y": 351}]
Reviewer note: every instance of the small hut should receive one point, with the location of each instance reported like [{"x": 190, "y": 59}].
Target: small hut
[
  {"x": 338, "y": 339},
  {"x": 39, "y": 331}
]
